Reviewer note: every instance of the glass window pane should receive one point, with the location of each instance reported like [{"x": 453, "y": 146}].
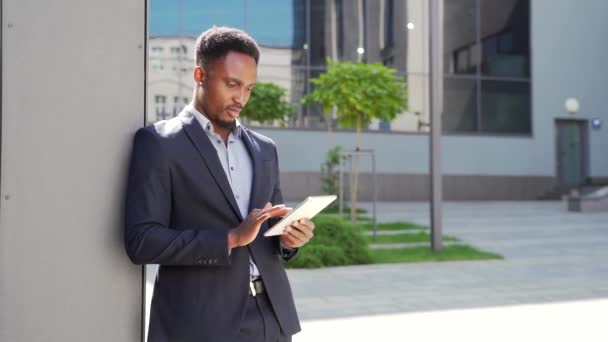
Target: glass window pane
[
  {"x": 460, "y": 49},
  {"x": 505, "y": 38},
  {"x": 505, "y": 107},
  {"x": 460, "y": 105}
]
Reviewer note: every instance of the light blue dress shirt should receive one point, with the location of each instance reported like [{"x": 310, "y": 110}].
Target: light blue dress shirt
[{"x": 236, "y": 163}]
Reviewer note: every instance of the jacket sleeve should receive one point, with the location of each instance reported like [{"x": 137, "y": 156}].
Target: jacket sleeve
[
  {"x": 277, "y": 198},
  {"x": 148, "y": 237}
]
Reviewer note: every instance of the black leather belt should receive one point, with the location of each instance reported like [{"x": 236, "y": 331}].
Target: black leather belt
[{"x": 256, "y": 287}]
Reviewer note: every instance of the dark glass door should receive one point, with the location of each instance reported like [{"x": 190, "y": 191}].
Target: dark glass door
[{"x": 571, "y": 152}]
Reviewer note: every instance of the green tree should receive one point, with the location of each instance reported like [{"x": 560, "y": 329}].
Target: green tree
[
  {"x": 267, "y": 103},
  {"x": 329, "y": 172},
  {"x": 359, "y": 92}
]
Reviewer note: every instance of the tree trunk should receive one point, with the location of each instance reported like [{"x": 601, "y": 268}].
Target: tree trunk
[{"x": 355, "y": 188}]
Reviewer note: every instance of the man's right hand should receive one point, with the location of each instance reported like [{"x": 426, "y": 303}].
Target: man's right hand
[{"x": 246, "y": 232}]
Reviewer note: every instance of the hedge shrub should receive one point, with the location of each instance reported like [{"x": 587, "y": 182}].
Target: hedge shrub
[{"x": 336, "y": 243}]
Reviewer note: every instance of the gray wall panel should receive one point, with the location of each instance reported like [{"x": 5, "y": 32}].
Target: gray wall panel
[
  {"x": 409, "y": 153},
  {"x": 72, "y": 96},
  {"x": 569, "y": 59}
]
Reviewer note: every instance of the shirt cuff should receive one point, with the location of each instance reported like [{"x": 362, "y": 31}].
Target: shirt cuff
[{"x": 287, "y": 252}]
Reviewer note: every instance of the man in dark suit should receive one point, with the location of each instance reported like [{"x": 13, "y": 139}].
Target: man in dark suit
[{"x": 200, "y": 194}]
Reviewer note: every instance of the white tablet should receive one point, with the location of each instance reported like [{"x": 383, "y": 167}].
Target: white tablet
[{"x": 310, "y": 207}]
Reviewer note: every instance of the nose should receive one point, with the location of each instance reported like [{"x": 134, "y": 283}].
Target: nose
[{"x": 239, "y": 97}]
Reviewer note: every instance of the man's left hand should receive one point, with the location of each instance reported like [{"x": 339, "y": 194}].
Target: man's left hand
[{"x": 298, "y": 233}]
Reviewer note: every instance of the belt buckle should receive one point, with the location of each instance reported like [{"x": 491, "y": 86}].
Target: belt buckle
[{"x": 252, "y": 288}]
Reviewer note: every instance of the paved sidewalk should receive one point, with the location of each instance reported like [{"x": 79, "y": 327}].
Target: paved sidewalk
[
  {"x": 567, "y": 322},
  {"x": 551, "y": 255}
]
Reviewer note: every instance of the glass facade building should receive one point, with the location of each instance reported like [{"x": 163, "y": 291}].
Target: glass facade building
[{"x": 486, "y": 55}]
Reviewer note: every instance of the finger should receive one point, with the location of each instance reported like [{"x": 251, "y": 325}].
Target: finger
[
  {"x": 295, "y": 241},
  {"x": 268, "y": 205},
  {"x": 266, "y": 209},
  {"x": 255, "y": 212},
  {"x": 307, "y": 222},
  {"x": 262, "y": 218},
  {"x": 289, "y": 210},
  {"x": 289, "y": 241},
  {"x": 276, "y": 211},
  {"x": 300, "y": 234},
  {"x": 302, "y": 226},
  {"x": 265, "y": 214}
]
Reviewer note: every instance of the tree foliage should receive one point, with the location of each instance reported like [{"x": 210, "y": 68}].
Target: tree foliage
[
  {"x": 329, "y": 172},
  {"x": 359, "y": 92},
  {"x": 267, "y": 103}
]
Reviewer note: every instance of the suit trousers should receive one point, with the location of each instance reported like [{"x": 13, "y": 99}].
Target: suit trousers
[{"x": 260, "y": 323}]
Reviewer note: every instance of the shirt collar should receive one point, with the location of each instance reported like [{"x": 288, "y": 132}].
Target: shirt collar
[{"x": 206, "y": 124}]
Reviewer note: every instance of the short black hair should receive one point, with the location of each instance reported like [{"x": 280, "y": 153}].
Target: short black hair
[{"x": 216, "y": 42}]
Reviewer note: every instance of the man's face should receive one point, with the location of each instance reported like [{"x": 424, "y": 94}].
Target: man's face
[{"x": 226, "y": 85}]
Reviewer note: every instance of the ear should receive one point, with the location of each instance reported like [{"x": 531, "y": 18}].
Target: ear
[{"x": 199, "y": 75}]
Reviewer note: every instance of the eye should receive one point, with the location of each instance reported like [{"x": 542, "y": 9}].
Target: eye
[
  {"x": 231, "y": 84},
  {"x": 250, "y": 89}
]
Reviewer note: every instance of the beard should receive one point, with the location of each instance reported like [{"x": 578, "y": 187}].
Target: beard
[{"x": 229, "y": 125}]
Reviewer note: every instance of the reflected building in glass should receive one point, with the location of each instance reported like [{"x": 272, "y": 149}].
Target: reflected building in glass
[
  {"x": 487, "y": 65},
  {"x": 389, "y": 32},
  {"x": 170, "y": 74},
  {"x": 486, "y": 55},
  {"x": 295, "y": 49}
]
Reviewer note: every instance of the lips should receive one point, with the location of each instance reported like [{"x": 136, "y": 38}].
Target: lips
[{"x": 233, "y": 111}]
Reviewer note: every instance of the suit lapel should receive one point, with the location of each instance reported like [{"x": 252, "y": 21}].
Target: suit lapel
[
  {"x": 255, "y": 154},
  {"x": 254, "y": 200},
  {"x": 200, "y": 140}
]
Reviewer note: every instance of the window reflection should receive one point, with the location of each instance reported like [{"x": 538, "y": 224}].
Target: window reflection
[
  {"x": 461, "y": 50},
  {"x": 505, "y": 107},
  {"x": 486, "y": 44},
  {"x": 483, "y": 41},
  {"x": 460, "y": 105},
  {"x": 505, "y": 38}
]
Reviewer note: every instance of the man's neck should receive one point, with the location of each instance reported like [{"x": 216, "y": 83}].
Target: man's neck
[{"x": 221, "y": 131}]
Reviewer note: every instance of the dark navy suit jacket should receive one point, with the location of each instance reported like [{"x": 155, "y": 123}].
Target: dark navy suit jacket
[{"x": 179, "y": 208}]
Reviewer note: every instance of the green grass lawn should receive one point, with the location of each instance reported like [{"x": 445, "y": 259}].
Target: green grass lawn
[
  {"x": 418, "y": 254},
  {"x": 405, "y": 238},
  {"x": 422, "y": 254},
  {"x": 338, "y": 243}
]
